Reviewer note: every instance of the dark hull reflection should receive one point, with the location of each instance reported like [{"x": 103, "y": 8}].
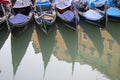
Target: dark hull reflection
[
  {"x": 16, "y": 31},
  {"x": 71, "y": 41},
  {"x": 114, "y": 29},
  {"x": 4, "y": 33},
  {"x": 19, "y": 45},
  {"x": 94, "y": 34},
  {"x": 46, "y": 42}
]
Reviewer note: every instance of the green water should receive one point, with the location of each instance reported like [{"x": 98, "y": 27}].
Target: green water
[{"x": 86, "y": 54}]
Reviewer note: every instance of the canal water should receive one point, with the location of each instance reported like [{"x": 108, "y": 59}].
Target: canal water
[{"x": 89, "y": 53}]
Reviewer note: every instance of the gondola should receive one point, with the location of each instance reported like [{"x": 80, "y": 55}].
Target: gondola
[
  {"x": 4, "y": 13},
  {"x": 21, "y": 14},
  {"x": 113, "y": 13},
  {"x": 67, "y": 14},
  {"x": 19, "y": 45},
  {"x": 101, "y": 21},
  {"x": 44, "y": 14},
  {"x": 93, "y": 16}
]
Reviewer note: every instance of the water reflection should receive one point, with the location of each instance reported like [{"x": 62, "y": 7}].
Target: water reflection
[
  {"x": 70, "y": 38},
  {"x": 87, "y": 54},
  {"x": 111, "y": 51},
  {"x": 92, "y": 33},
  {"x": 114, "y": 30},
  {"x": 19, "y": 45},
  {"x": 4, "y": 33},
  {"x": 91, "y": 46},
  {"x": 108, "y": 49},
  {"x": 46, "y": 42}
]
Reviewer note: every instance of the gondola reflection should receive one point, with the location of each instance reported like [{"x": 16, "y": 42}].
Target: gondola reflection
[
  {"x": 65, "y": 53},
  {"x": 19, "y": 46},
  {"x": 113, "y": 29},
  {"x": 70, "y": 38},
  {"x": 91, "y": 32},
  {"x": 4, "y": 33},
  {"x": 47, "y": 42},
  {"x": 88, "y": 46}
]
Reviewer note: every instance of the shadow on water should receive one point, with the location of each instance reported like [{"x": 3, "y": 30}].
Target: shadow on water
[
  {"x": 19, "y": 45},
  {"x": 4, "y": 33},
  {"x": 70, "y": 38},
  {"x": 47, "y": 42},
  {"x": 114, "y": 29},
  {"x": 94, "y": 34}
]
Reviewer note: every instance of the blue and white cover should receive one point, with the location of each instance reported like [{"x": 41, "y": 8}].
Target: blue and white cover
[
  {"x": 18, "y": 19},
  {"x": 97, "y": 3},
  {"x": 67, "y": 15},
  {"x": 92, "y": 15},
  {"x": 42, "y": 3}
]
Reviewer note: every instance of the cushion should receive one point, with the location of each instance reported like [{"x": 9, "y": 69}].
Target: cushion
[{"x": 19, "y": 18}]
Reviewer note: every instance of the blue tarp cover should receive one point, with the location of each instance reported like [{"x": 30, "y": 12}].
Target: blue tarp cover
[
  {"x": 42, "y": 3},
  {"x": 19, "y": 18},
  {"x": 113, "y": 12},
  {"x": 97, "y": 3},
  {"x": 67, "y": 15}
]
